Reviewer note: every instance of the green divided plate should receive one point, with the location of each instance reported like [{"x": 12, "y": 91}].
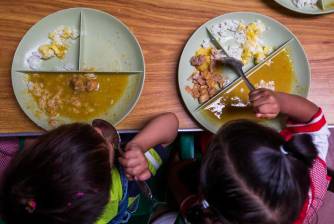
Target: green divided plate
[
  {"x": 275, "y": 35},
  {"x": 322, "y": 7},
  {"x": 105, "y": 44}
]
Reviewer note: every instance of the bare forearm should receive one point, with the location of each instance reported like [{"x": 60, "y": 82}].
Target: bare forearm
[
  {"x": 161, "y": 130},
  {"x": 296, "y": 107}
]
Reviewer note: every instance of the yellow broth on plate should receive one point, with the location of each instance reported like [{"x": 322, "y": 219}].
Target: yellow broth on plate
[
  {"x": 79, "y": 97},
  {"x": 277, "y": 73}
]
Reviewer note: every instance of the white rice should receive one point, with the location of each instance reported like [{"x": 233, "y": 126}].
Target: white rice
[
  {"x": 57, "y": 35},
  {"x": 237, "y": 102},
  {"x": 34, "y": 60},
  {"x": 304, "y": 3},
  {"x": 229, "y": 34},
  {"x": 217, "y": 107},
  {"x": 75, "y": 33},
  {"x": 69, "y": 67},
  {"x": 59, "y": 31},
  {"x": 206, "y": 43},
  {"x": 267, "y": 85}
]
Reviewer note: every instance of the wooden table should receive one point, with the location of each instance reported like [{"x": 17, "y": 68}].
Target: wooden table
[{"x": 162, "y": 28}]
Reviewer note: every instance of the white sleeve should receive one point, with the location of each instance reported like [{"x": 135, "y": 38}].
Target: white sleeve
[
  {"x": 318, "y": 129},
  {"x": 320, "y": 140}
]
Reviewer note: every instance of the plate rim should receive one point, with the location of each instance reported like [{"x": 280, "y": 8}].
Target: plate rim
[
  {"x": 204, "y": 25},
  {"x": 296, "y": 9},
  {"x": 142, "y": 80}
]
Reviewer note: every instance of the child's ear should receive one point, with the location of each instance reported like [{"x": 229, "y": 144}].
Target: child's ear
[{"x": 98, "y": 130}]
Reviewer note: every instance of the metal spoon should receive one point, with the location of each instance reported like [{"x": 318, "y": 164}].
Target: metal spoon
[
  {"x": 236, "y": 65},
  {"x": 111, "y": 135}
]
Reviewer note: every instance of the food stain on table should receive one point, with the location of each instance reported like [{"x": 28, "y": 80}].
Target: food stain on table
[
  {"x": 79, "y": 97},
  {"x": 277, "y": 74}
]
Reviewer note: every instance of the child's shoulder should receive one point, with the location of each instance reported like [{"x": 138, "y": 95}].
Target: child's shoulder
[{"x": 316, "y": 127}]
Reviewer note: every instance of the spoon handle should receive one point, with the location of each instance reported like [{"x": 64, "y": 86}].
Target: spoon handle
[
  {"x": 143, "y": 186},
  {"x": 145, "y": 189},
  {"x": 248, "y": 83}
]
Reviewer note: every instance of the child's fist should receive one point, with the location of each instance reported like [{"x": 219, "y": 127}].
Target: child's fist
[
  {"x": 265, "y": 103},
  {"x": 135, "y": 163}
]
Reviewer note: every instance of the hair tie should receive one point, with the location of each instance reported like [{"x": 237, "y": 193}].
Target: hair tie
[
  {"x": 283, "y": 150},
  {"x": 79, "y": 194},
  {"x": 205, "y": 204},
  {"x": 30, "y": 205}
]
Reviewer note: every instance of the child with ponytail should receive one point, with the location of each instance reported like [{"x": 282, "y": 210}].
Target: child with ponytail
[
  {"x": 253, "y": 174},
  {"x": 76, "y": 174}
]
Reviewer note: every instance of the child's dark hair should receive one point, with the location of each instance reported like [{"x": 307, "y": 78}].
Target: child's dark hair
[
  {"x": 252, "y": 175},
  {"x": 63, "y": 178}
]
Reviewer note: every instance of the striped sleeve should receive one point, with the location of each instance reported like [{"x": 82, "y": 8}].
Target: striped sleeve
[
  {"x": 317, "y": 128},
  {"x": 155, "y": 158}
]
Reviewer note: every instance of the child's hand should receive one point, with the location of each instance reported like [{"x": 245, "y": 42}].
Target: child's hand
[
  {"x": 135, "y": 163},
  {"x": 265, "y": 103}
]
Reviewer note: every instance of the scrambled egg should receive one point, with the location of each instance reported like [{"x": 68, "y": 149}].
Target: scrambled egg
[
  {"x": 241, "y": 40},
  {"x": 59, "y": 43},
  {"x": 252, "y": 47},
  {"x": 206, "y": 64},
  {"x": 45, "y": 51}
]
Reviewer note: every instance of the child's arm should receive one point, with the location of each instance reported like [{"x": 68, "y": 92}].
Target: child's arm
[
  {"x": 161, "y": 130},
  {"x": 268, "y": 104}
]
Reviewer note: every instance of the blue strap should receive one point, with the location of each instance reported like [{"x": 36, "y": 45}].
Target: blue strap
[{"x": 123, "y": 215}]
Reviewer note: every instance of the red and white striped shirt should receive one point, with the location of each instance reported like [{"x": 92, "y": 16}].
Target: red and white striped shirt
[{"x": 318, "y": 129}]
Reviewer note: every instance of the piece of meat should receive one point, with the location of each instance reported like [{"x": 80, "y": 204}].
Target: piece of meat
[
  {"x": 217, "y": 77},
  {"x": 84, "y": 83},
  {"x": 201, "y": 81},
  {"x": 212, "y": 66},
  {"x": 196, "y": 75},
  {"x": 204, "y": 90},
  {"x": 203, "y": 98},
  {"x": 219, "y": 80},
  {"x": 212, "y": 92},
  {"x": 206, "y": 81},
  {"x": 197, "y": 60},
  {"x": 188, "y": 90},
  {"x": 206, "y": 75},
  {"x": 78, "y": 83},
  {"x": 92, "y": 85},
  {"x": 195, "y": 91},
  {"x": 212, "y": 84}
]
